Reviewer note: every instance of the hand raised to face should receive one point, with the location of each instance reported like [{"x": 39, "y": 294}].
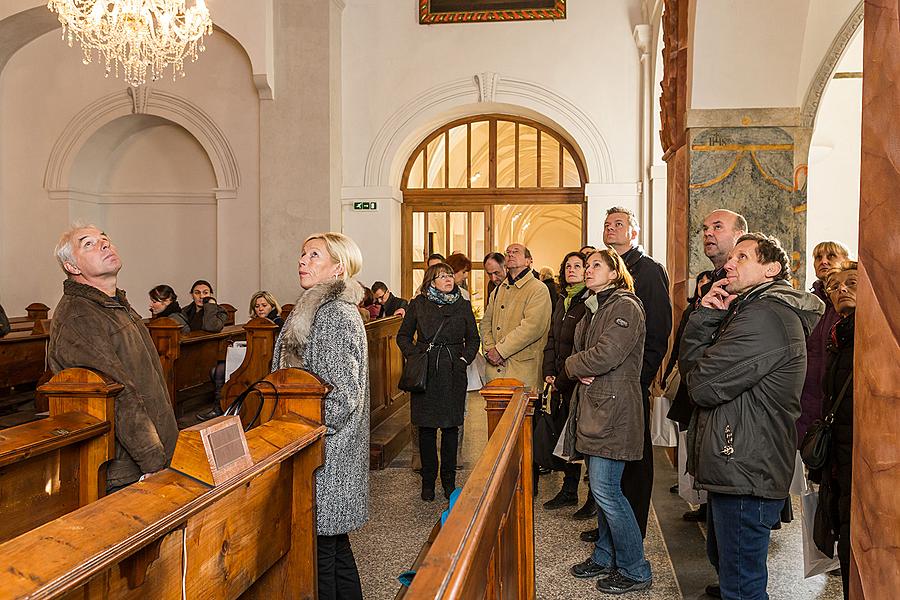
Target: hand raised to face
[{"x": 718, "y": 298}]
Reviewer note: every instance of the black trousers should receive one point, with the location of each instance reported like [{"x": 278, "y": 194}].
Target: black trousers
[
  {"x": 429, "y": 456},
  {"x": 637, "y": 479},
  {"x": 338, "y": 577}
]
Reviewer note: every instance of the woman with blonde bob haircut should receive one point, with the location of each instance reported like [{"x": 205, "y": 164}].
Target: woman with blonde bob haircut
[
  {"x": 264, "y": 305},
  {"x": 606, "y": 423},
  {"x": 325, "y": 335}
]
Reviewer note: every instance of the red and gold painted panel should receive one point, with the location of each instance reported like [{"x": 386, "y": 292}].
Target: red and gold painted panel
[{"x": 486, "y": 11}]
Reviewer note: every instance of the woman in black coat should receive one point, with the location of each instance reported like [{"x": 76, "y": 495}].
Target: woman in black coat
[
  {"x": 442, "y": 404},
  {"x": 832, "y": 520},
  {"x": 560, "y": 343}
]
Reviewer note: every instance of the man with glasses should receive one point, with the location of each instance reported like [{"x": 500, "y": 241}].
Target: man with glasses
[
  {"x": 390, "y": 304},
  {"x": 515, "y": 324}
]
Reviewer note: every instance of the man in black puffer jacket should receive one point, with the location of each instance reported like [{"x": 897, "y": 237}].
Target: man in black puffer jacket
[{"x": 743, "y": 355}]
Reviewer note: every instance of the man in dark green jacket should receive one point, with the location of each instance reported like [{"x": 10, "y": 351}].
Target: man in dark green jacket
[
  {"x": 743, "y": 355},
  {"x": 95, "y": 327}
]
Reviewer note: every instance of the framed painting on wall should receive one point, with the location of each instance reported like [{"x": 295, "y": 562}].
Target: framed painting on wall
[{"x": 486, "y": 11}]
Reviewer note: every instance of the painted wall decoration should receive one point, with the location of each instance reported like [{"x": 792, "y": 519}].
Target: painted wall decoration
[
  {"x": 481, "y": 11},
  {"x": 749, "y": 170}
]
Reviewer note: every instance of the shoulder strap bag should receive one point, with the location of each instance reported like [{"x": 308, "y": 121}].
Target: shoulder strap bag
[
  {"x": 816, "y": 445},
  {"x": 415, "y": 370}
]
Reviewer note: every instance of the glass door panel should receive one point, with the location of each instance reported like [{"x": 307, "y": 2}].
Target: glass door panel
[
  {"x": 437, "y": 233},
  {"x": 459, "y": 232}
]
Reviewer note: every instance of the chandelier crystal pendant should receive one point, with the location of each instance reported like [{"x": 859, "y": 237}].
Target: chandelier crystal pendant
[{"x": 135, "y": 35}]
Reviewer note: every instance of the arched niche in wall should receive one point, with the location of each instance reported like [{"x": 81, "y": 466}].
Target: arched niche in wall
[{"x": 151, "y": 186}]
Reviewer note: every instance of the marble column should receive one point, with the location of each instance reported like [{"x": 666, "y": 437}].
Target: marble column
[{"x": 875, "y": 504}]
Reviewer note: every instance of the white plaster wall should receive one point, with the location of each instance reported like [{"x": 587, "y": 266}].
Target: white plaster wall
[
  {"x": 746, "y": 53},
  {"x": 833, "y": 182},
  {"x": 390, "y": 63},
  {"x": 42, "y": 88},
  {"x": 824, "y": 21}
]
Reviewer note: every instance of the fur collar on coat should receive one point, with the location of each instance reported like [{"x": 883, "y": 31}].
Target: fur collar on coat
[{"x": 295, "y": 334}]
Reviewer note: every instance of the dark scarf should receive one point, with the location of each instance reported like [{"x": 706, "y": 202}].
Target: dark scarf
[
  {"x": 442, "y": 298},
  {"x": 169, "y": 310}
]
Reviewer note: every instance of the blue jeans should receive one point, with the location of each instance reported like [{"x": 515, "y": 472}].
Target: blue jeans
[
  {"x": 738, "y": 542},
  {"x": 619, "y": 543}
]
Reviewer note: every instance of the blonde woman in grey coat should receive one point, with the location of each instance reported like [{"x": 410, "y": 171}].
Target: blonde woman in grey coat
[{"x": 325, "y": 335}]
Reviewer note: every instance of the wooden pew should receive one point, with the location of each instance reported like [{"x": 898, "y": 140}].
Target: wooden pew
[
  {"x": 33, "y": 312},
  {"x": 188, "y": 357},
  {"x": 286, "y": 310},
  {"x": 256, "y": 365},
  {"x": 230, "y": 311},
  {"x": 172, "y": 536},
  {"x": 389, "y": 405},
  {"x": 486, "y": 547},
  {"x": 53, "y": 466},
  {"x": 23, "y": 356}
]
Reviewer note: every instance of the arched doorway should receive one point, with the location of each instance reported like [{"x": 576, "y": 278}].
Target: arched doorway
[{"x": 483, "y": 182}]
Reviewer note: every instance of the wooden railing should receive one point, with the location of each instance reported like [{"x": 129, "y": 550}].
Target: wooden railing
[
  {"x": 486, "y": 547},
  {"x": 33, "y": 312},
  {"x": 53, "y": 466},
  {"x": 171, "y": 536}
]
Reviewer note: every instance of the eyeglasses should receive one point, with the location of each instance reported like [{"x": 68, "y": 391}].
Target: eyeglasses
[
  {"x": 443, "y": 276},
  {"x": 850, "y": 284}
]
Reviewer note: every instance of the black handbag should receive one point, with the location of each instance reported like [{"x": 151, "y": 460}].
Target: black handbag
[
  {"x": 816, "y": 444},
  {"x": 415, "y": 370},
  {"x": 546, "y": 434}
]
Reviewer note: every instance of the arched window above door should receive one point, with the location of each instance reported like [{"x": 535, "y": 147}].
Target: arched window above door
[{"x": 493, "y": 152}]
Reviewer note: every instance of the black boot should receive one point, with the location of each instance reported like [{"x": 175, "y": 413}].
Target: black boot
[
  {"x": 427, "y": 491},
  {"x": 448, "y": 482},
  {"x": 562, "y": 499},
  {"x": 588, "y": 511}
]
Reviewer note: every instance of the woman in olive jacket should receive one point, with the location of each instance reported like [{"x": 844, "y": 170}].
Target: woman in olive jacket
[
  {"x": 608, "y": 418},
  {"x": 560, "y": 344},
  {"x": 442, "y": 404}
]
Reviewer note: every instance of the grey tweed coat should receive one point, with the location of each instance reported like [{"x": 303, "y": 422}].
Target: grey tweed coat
[{"x": 325, "y": 335}]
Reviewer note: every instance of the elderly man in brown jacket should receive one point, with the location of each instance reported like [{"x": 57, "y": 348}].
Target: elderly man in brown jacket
[
  {"x": 515, "y": 323},
  {"x": 95, "y": 327}
]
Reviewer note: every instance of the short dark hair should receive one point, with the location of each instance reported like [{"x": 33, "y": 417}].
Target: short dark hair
[
  {"x": 632, "y": 220},
  {"x": 459, "y": 262},
  {"x": 202, "y": 282},
  {"x": 562, "y": 268},
  {"x": 379, "y": 285},
  {"x": 769, "y": 250},
  {"x": 163, "y": 292},
  {"x": 497, "y": 257},
  {"x": 435, "y": 255}
]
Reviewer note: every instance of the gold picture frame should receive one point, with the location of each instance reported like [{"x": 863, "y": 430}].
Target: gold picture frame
[{"x": 489, "y": 11}]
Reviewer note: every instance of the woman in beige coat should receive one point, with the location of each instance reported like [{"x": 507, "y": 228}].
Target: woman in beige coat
[{"x": 608, "y": 422}]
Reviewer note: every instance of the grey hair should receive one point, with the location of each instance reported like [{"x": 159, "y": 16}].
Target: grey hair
[{"x": 64, "y": 251}]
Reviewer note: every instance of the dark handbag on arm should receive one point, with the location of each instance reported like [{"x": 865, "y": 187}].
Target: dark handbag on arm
[
  {"x": 546, "y": 433},
  {"x": 415, "y": 370},
  {"x": 816, "y": 444}
]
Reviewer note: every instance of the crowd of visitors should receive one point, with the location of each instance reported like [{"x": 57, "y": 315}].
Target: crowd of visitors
[{"x": 760, "y": 363}]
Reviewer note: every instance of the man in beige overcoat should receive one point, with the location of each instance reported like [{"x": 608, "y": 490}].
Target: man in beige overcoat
[{"x": 515, "y": 324}]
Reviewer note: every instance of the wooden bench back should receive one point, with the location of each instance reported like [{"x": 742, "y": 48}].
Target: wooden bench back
[
  {"x": 252, "y": 536},
  {"x": 257, "y": 364},
  {"x": 389, "y": 405},
  {"x": 188, "y": 357},
  {"x": 23, "y": 357},
  {"x": 51, "y": 467},
  {"x": 486, "y": 547}
]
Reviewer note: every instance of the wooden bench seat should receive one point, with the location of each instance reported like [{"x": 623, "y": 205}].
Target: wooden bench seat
[
  {"x": 53, "y": 466},
  {"x": 252, "y": 536}
]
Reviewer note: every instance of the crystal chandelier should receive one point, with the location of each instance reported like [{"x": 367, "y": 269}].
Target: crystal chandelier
[{"x": 135, "y": 35}]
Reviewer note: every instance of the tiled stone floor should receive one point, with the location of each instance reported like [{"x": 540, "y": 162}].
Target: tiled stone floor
[{"x": 400, "y": 522}]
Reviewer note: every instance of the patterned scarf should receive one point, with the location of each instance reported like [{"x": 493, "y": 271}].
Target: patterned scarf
[
  {"x": 572, "y": 291},
  {"x": 439, "y": 297}
]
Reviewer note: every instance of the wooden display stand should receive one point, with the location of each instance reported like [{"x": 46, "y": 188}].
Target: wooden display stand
[{"x": 213, "y": 451}]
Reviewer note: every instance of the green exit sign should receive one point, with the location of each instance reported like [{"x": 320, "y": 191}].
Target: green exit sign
[{"x": 365, "y": 206}]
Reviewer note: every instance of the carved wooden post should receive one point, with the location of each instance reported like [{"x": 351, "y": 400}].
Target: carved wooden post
[
  {"x": 230, "y": 311},
  {"x": 257, "y": 362},
  {"x": 36, "y": 311},
  {"x": 166, "y": 335},
  {"x": 93, "y": 393},
  {"x": 497, "y": 395}
]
